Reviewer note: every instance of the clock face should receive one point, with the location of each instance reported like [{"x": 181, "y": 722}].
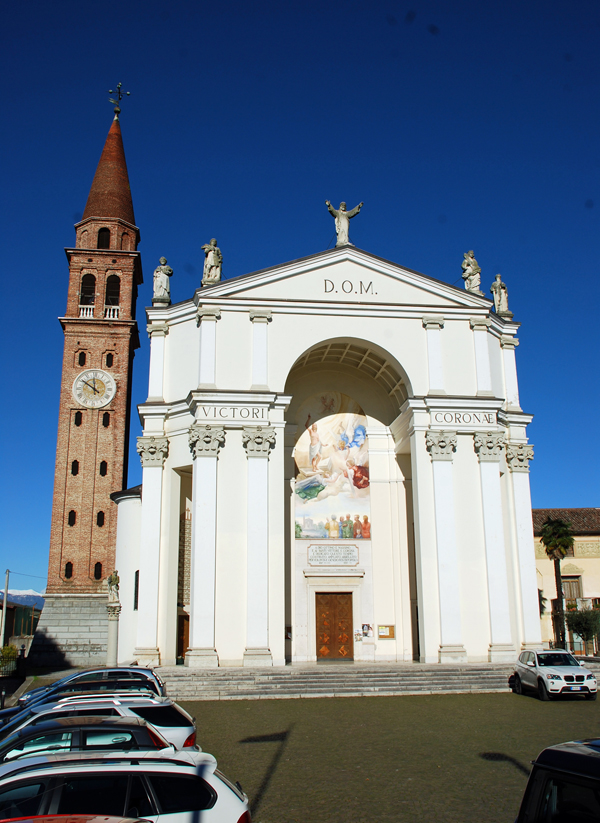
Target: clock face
[{"x": 94, "y": 388}]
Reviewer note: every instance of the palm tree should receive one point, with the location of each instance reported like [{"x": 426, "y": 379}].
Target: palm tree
[{"x": 557, "y": 538}]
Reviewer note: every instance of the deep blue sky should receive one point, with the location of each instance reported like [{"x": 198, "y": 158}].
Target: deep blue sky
[{"x": 460, "y": 124}]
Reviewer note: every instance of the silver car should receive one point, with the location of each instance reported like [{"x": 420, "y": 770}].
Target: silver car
[
  {"x": 91, "y": 679},
  {"x": 173, "y": 722},
  {"x": 551, "y": 673}
]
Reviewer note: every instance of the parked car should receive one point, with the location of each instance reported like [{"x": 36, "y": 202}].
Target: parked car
[
  {"x": 169, "y": 719},
  {"x": 120, "y": 679},
  {"x": 551, "y": 673},
  {"x": 564, "y": 785},
  {"x": 73, "y": 818},
  {"x": 173, "y": 786},
  {"x": 81, "y": 734}
]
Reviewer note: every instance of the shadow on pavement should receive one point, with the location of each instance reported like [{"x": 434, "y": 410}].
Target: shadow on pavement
[
  {"x": 277, "y": 737},
  {"x": 500, "y": 757}
]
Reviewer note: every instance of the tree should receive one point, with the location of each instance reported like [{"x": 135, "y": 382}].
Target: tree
[
  {"x": 557, "y": 539},
  {"x": 585, "y": 623}
]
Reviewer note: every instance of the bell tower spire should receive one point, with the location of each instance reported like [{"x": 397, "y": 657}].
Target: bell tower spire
[{"x": 100, "y": 338}]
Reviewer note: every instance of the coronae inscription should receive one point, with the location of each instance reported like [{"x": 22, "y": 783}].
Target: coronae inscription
[{"x": 463, "y": 418}]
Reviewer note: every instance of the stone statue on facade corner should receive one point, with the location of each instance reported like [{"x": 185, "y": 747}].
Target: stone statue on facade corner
[
  {"x": 471, "y": 272},
  {"x": 162, "y": 286},
  {"x": 113, "y": 586},
  {"x": 342, "y": 221},
  {"x": 500, "y": 292},
  {"x": 213, "y": 261}
]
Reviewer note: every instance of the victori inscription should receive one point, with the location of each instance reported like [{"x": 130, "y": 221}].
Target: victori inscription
[{"x": 233, "y": 413}]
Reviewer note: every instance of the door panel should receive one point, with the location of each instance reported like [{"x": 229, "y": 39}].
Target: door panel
[{"x": 335, "y": 639}]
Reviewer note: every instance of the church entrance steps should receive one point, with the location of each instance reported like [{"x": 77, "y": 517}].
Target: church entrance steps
[{"x": 332, "y": 681}]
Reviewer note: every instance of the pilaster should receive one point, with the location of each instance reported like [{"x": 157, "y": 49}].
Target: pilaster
[
  {"x": 153, "y": 451},
  {"x": 433, "y": 325},
  {"x": 480, "y": 326},
  {"x": 205, "y": 443},
  {"x": 206, "y": 318},
  {"x": 258, "y": 442},
  {"x": 157, "y": 333},
  {"x": 441, "y": 446},
  {"x": 511, "y": 384},
  {"x": 260, "y": 319},
  {"x": 488, "y": 447}
]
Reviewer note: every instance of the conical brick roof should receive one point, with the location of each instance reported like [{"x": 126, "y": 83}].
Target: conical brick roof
[{"x": 110, "y": 195}]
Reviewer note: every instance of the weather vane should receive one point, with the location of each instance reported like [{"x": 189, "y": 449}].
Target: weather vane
[{"x": 119, "y": 95}]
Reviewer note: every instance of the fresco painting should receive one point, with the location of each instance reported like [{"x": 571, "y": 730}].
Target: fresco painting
[{"x": 332, "y": 491}]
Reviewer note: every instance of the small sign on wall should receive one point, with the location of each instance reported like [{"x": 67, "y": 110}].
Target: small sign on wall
[{"x": 386, "y": 632}]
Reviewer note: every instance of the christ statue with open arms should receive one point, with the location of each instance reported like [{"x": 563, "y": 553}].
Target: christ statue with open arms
[{"x": 342, "y": 221}]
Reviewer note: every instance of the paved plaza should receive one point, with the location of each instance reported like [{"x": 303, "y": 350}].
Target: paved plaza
[{"x": 442, "y": 758}]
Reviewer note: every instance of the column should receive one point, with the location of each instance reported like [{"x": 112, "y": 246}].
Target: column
[
  {"x": 433, "y": 326},
  {"x": 480, "y": 327},
  {"x": 489, "y": 447},
  {"x": 153, "y": 452},
  {"x": 518, "y": 456},
  {"x": 511, "y": 384},
  {"x": 205, "y": 444},
  {"x": 441, "y": 446},
  {"x": 157, "y": 333},
  {"x": 206, "y": 318},
  {"x": 258, "y": 441},
  {"x": 112, "y": 644},
  {"x": 260, "y": 363}
]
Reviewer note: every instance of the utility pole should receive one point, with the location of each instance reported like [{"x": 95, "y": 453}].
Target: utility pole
[{"x": 4, "y": 605}]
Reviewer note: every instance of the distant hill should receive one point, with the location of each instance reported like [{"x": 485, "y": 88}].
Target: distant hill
[{"x": 28, "y": 597}]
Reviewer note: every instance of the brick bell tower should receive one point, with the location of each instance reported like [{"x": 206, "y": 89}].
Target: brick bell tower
[{"x": 101, "y": 336}]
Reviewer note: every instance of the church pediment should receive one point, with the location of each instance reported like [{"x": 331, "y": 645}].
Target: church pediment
[{"x": 345, "y": 275}]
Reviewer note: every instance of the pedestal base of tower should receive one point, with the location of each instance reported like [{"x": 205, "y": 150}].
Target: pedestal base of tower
[{"x": 72, "y": 631}]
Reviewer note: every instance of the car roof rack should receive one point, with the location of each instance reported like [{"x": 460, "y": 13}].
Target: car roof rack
[
  {"x": 86, "y": 695},
  {"x": 78, "y": 759}
]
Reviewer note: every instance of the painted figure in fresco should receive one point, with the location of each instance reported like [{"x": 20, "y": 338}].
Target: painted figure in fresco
[
  {"x": 334, "y": 527},
  {"x": 357, "y": 526},
  {"x": 316, "y": 447},
  {"x": 366, "y": 528},
  {"x": 348, "y": 528},
  {"x": 357, "y": 475},
  {"x": 341, "y": 528}
]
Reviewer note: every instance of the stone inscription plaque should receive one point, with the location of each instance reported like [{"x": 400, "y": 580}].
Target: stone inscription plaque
[{"x": 333, "y": 555}]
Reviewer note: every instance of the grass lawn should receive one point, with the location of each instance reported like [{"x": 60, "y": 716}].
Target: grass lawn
[{"x": 430, "y": 758}]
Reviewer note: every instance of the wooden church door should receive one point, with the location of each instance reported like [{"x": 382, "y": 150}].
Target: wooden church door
[{"x": 335, "y": 639}]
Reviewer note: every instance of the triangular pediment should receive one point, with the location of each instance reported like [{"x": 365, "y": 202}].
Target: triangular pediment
[{"x": 345, "y": 275}]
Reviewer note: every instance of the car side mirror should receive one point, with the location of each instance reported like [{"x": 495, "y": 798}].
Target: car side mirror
[
  {"x": 582, "y": 663},
  {"x": 530, "y": 663}
]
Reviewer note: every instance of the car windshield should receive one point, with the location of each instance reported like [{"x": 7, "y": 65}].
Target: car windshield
[{"x": 553, "y": 659}]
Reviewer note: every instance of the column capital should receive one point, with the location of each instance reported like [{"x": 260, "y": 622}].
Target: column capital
[
  {"x": 157, "y": 329},
  {"x": 261, "y": 315},
  {"x": 258, "y": 440},
  {"x": 431, "y": 321},
  {"x": 488, "y": 446},
  {"x": 518, "y": 456},
  {"x": 206, "y": 441},
  {"x": 114, "y": 610},
  {"x": 480, "y": 323},
  {"x": 508, "y": 342},
  {"x": 153, "y": 451},
  {"x": 441, "y": 445},
  {"x": 207, "y": 313}
]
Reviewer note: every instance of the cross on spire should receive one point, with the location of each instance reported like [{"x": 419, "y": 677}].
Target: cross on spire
[{"x": 119, "y": 95}]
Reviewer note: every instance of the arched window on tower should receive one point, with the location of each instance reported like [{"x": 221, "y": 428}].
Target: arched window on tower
[
  {"x": 104, "y": 239},
  {"x": 113, "y": 293},
  {"x": 98, "y": 571},
  {"x": 87, "y": 295},
  {"x": 110, "y": 359},
  {"x": 75, "y": 468},
  {"x": 72, "y": 518},
  {"x": 125, "y": 241},
  {"x": 68, "y": 570},
  {"x": 105, "y": 419},
  {"x": 78, "y": 418},
  {"x": 81, "y": 358},
  {"x": 103, "y": 468},
  {"x": 100, "y": 519}
]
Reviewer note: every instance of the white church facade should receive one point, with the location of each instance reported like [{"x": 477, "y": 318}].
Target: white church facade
[{"x": 335, "y": 467}]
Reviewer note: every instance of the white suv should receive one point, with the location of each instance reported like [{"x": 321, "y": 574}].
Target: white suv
[
  {"x": 173, "y": 722},
  {"x": 177, "y": 788},
  {"x": 552, "y": 673}
]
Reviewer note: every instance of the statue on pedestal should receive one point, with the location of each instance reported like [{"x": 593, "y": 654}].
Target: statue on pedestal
[
  {"x": 500, "y": 292},
  {"x": 471, "y": 272},
  {"x": 113, "y": 586},
  {"x": 213, "y": 261},
  {"x": 342, "y": 221},
  {"x": 162, "y": 287}
]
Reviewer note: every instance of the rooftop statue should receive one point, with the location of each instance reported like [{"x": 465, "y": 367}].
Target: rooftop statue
[
  {"x": 162, "y": 287},
  {"x": 471, "y": 272},
  {"x": 342, "y": 220},
  {"x": 500, "y": 293},
  {"x": 113, "y": 585},
  {"x": 213, "y": 260}
]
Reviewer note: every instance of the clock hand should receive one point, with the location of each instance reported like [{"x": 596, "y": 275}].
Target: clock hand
[{"x": 93, "y": 388}]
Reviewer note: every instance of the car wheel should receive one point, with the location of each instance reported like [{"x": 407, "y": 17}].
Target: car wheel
[
  {"x": 518, "y": 687},
  {"x": 542, "y": 690},
  {"x": 591, "y": 695}
]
